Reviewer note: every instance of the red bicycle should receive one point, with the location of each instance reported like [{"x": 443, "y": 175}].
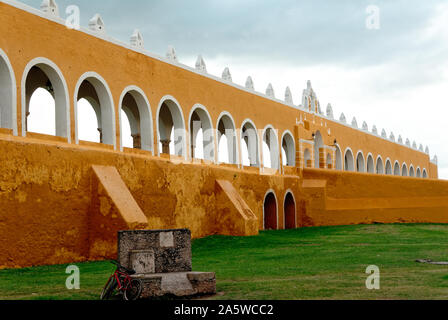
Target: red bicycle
[{"x": 121, "y": 281}]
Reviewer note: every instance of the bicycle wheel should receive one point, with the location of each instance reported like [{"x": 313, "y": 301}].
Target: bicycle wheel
[
  {"x": 109, "y": 288},
  {"x": 134, "y": 290}
]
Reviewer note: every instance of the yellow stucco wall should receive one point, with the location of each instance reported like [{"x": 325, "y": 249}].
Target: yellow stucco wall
[{"x": 46, "y": 183}]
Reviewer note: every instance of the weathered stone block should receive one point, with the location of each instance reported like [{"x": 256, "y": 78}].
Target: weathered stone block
[{"x": 172, "y": 248}]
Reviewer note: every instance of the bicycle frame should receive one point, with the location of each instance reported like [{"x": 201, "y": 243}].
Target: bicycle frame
[{"x": 122, "y": 285}]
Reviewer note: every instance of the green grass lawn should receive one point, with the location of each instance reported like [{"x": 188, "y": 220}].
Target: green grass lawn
[{"x": 308, "y": 263}]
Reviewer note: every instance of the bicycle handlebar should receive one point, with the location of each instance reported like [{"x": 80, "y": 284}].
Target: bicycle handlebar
[{"x": 129, "y": 271}]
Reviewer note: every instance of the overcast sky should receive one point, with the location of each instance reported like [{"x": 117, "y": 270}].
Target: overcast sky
[{"x": 395, "y": 77}]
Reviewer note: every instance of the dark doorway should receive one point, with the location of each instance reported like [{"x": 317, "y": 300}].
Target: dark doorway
[
  {"x": 290, "y": 212},
  {"x": 270, "y": 212}
]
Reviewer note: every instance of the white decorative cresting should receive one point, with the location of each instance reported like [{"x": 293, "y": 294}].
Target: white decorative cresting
[
  {"x": 97, "y": 25},
  {"x": 392, "y": 137},
  {"x": 137, "y": 39},
  {"x": 354, "y": 123},
  {"x": 171, "y": 54},
  {"x": 384, "y": 134},
  {"x": 427, "y": 150},
  {"x": 270, "y": 91},
  {"x": 342, "y": 118},
  {"x": 288, "y": 96},
  {"x": 250, "y": 83},
  {"x": 200, "y": 64},
  {"x": 400, "y": 139},
  {"x": 50, "y": 7},
  {"x": 408, "y": 143},
  {"x": 365, "y": 127},
  {"x": 226, "y": 75},
  {"x": 330, "y": 111},
  {"x": 375, "y": 130}
]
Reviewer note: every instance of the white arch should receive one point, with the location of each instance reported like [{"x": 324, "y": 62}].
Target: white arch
[
  {"x": 349, "y": 163},
  {"x": 61, "y": 95},
  {"x": 404, "y": 169},
  {"x": 207, "y": 130},
  {"x": 273, "y": 146},
  {"x": 360, "y": 166},
  {"x": 380, "y": 169},
  {"x": 412, "y": 171},
  {"x": 145, "y": 113},
  {"x": 388, "y": 167},
  {"x": 276, "y": 205},
  {"x": 232, "y": 144},
  {"x": 290, "y": 148},
  {"x": 419, "y": 172},
  {"x": 397, "y": 166},
  {"x": 424, "y": 174},
  {"x": 339, "y": 163},
  {"x": 179, "y": 132},
  {"x": 8, "y": 94},
  {"x": 289, "y": 191},
  {"x": 318, "y": 144},
  {"x": 107, "y": 120},
  {"x": 254, "y": 150},
  {"x": 370, "y": 165}
]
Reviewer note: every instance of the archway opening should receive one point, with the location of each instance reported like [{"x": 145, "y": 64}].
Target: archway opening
[
  {"x": 270, "y": 212},
  {"x": 307, "y": 163},
  {"x": 425, "y": 174},
  {"x": 46, "y": 102},
  {"x": 290, "y": 212},
  {"x": 136, "y": 128},
  {"x": 270, "y": 149},
  {"x": 379, "y": 166},
  {"x": 360, "y": 164},
  {"x": 388, "y": 167},
  {"x": 370, "y": 164},
  {"x": 93, "y": 95},
  {"x": 288, "y": 151},
  {"x": 318, "y": 145},
  {"x": 227, "y": 141},
  {"x": 404, "y": 171},
  {"x": 249, "y": 137},
  {"x": 171, "y": 129},
  {"x": 419, "y": 173},
  {"x": 201, "y": 135},
  {"x": 41, "y": 113},
  {"x": 339, "y": 165},
  {"x": 349, "y": 161},
  {"x": 396, "y": 169},
  {"x": 329, "y": 161},
  {"x": 6, "y": 95},
  {"x": 412, "y": 172}
]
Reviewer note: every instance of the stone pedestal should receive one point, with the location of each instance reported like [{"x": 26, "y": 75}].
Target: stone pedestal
[{"x": 162, "y": 261}]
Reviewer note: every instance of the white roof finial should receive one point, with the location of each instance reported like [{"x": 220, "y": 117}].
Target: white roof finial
[
  {"x": 400, "y": 139},
  {"x": 408, "y": 143},
  {"x": 354, "y": 123},
  {"x": 270, "y": 91},
  {"x": 97, "y": 24},
  {"x": 427, "y": 150},
  {"x": 50, "y": 7},
  {"x": 392, "y": 137},
  {"x": 342, "y": 118},
  {"x": 365, "y": 127},
  {"x": 249, "y": 83},
  {"x": 435, "y": 160},
  {"x": 420, "y": 148},
  {"x": 137, "y": 39},
  {"x": 200, "y": 64},
  {"x": 330, "y": 111},
  {"x": 288, "y": 96},
  {"x": 384, "y": 134},
  {"x": 226, "y": 75},
  {"x": 171, "y": 53},
  {"x": 375, "y": 130}
]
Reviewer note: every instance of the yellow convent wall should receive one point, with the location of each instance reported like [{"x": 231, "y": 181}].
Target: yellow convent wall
[{"x": 63, "y": 200}]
